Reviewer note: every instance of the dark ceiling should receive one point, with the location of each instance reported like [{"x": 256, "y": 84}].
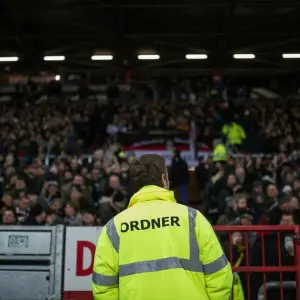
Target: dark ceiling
[{"x": 77, "y": 28}]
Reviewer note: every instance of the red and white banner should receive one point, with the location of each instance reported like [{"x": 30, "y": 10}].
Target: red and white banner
[
  {"x": 79, "y": 258},
  {"x": 168, "y": 155}
]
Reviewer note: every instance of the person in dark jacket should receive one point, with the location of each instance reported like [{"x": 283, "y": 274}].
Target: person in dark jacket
[
  {"x": 37, "y": 215},
  {"x": 180, "y": 176}
]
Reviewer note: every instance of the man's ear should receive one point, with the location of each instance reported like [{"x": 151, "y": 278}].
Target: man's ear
[{"x": 165, "y": 181}]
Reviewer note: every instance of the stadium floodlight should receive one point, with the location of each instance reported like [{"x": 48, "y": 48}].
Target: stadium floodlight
[
  {"x": 244, "y": 56},
  {"x": 291, "y": 55},
  {"x": 102, "y": 57},
  {"x": 57, "y": 77},
  {"x": 148, "y": 57},
  {"x": 196, "y": 56},
  {"x": 54, "y": 58},
  {"x": 9, "y": 58}
]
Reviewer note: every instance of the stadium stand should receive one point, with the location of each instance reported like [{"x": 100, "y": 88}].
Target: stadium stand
[
  {"x": 68, "y": 166},
  {"x": 70, "y": 125}
]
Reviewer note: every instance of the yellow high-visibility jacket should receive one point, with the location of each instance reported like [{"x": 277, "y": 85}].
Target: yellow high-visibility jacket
[
  {"x": 160, "y": 250},
  {"x": 234, "y": 133},
  {"x": 220, "y": 153}
]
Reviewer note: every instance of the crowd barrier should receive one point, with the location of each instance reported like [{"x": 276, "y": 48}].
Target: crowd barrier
[
  {"x": 259, "y": 269},
  {"x": 54, "y": 263}
]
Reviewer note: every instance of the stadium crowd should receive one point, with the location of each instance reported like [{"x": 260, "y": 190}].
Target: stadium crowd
[
  {"x": 77, "y": 191},
  {"x": 33, "y": 129}
]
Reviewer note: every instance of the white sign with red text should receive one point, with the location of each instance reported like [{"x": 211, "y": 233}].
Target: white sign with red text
[{"x": 79, "y": 257}]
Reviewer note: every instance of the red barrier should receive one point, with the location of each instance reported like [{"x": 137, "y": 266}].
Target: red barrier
[
  {"x": 274, "y": 268},
  {"x": 260, "y": 274}
]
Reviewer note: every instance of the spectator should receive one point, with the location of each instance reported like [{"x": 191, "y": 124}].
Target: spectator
[
  {"x": 8, "y": 217},
  {"x": 37, "y": 216},
  {"x": 73, "y": 215},
  {"x": 180, "y": 176},
  {"x": 235, "y": 211}
]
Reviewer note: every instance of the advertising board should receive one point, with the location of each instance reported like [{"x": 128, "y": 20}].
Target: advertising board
[{"x": 79, "y": 258}]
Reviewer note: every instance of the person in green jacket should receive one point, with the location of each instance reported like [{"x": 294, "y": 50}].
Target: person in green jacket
[
  {"x": 158, "y": 249},
  {"x": 235, "y": 135},
  {"x": 220, "y": 151}
]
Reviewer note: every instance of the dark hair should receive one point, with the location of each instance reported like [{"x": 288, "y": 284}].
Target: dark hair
[
  {"x": 293, "y": 214},
  {"x": 147, "y": 170}
]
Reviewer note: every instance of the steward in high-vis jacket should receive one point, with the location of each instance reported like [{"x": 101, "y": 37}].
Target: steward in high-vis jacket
[{"x": 158, "y": 249}]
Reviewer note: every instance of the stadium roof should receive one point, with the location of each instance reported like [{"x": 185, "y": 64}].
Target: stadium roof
[{"x": 77, "y": 29}]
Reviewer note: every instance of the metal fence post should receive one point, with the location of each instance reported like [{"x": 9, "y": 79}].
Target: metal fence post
[{"x": 297, "y": 258}]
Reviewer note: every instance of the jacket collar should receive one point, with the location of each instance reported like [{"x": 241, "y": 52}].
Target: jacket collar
[{"x": 150, "y": 193}]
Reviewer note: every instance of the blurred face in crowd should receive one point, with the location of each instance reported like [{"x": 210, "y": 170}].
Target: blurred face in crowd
[
  {"x": 258, "y": 189},
  {"x": 31, "y": 171},
  {"x": 287, "y": 220},
  {"x": 24, "y": 202},
  {"x": 84, "y": 171},
  {"x": 295, "y": 203},
  {"x": 237, "y": 238},
  {"x": 240, "y": 174},
  {"x": 242, "y": 204},
  {"x": 69, "y": 210},
  {"x": 39, "y": 171},
  {"x": 290, "y": 204},
  {"x": 74, "y": 164},
  {"x": 13, "y": 180},
  {"x": 88, "y": 219},
  {"x": 75, "y": 194},
  {"x": 98, "y": 155},
  {"x": 41, "y": 217},
  {"x": 56, "y": 205},
  {"x": 20, "y": 184},
  {"x": 52, "y": 189},
  {"x": 61, "y": 168},
  {"x": 231, "y": 180},
  {"x": 258, "y": 162},
  {"x": 95, "y": 174},
  {"x": 78, "y": 180},
  {"x": 50, "y": 218},
  {"x": 296, "y": 184},
  {"x": 8, "y": 217},
  {"x": 131, "y": 158},
  {"x": 9, "y": 171},
  {"x": 32, "y": 198},
  {"x": 259, "y": 199},
  {"x": 9, "y": 160},
  {"x": 114, "y": 182},
  {"x": 272, "y": 191},
  {"x": 7, "y": 200},
  {"x": 68, "y": 176},
  {"x": 289, "y": 178},
  {"x": 98, "y": 165}
]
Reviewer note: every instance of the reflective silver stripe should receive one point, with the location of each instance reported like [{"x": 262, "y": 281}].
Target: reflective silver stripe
[
  {"x": 216, "y": 265},
  {"x": 192, "y": 264},
  {"x": 106, "y": 280},
  {"x": 158, "y": 265},
  {"x": 113, "y": 234},
  {"x": 194, "y": 248}
]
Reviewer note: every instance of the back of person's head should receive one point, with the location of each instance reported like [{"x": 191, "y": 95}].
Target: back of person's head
[{"x": 149, "y": 169}]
